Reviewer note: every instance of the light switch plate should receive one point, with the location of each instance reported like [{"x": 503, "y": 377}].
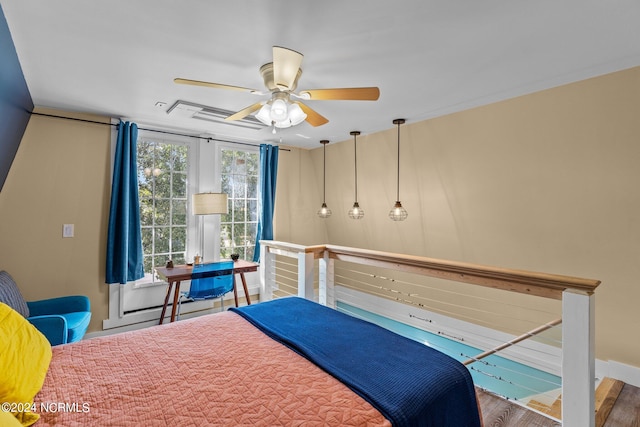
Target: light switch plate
[{"x": 67, "y": 230}]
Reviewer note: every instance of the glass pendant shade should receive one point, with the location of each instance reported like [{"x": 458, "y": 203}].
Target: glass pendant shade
[
  {"x": 324, "y": 211},
  {"x": 278, "y": 110},
  {"x": 356, "y": 212},
  {"x": 398, "y": 213},
  {"x": 296, "y": 115},
  {"x": 264, "y": 115}
]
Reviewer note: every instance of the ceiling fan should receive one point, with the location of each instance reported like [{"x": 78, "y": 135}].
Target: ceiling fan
[{"x": 281, "y": 79}]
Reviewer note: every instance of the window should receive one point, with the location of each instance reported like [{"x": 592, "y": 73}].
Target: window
[
  {"x": 239, "y": 179},
  {"x": 163, "y": 191}
]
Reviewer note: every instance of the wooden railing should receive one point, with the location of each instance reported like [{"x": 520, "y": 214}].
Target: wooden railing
[{"x": 577, "y": 295}]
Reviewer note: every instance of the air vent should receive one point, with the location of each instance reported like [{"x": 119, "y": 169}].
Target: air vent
[{"x": 184, "y": 109}]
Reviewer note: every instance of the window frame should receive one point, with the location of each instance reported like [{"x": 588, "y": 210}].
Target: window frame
[
  {"x": 235, "y": 147},
  {"x": 150, "y": 277}
]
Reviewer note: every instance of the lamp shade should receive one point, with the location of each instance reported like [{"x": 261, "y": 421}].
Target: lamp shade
[{"x": 209, "y": 203}]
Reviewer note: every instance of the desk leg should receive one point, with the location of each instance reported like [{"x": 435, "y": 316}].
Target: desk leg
[
  {"x": 235, "y": 290},
  {"x": 176, "y": 295},
  {"x": 166, "y": 302},
  {"x": 246, "y": 291}
]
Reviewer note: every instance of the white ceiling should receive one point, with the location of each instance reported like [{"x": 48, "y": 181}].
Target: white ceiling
[{"x": 428, "y": 57}]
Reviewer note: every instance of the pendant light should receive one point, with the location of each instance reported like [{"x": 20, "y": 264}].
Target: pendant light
[
  {"x": 324, "y": 211},
  {"x": 355, "y": 212},
  {"x": 398, "y": 213}
]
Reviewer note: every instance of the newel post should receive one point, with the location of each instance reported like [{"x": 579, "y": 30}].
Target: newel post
[
  {"x": 326, "y": 281},
  {"x": 578, "y": 359},
  {"x": 305, "y": 275},
  {"x": 267, "y": 272}
]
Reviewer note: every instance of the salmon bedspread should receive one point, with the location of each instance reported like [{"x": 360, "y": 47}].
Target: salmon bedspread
[
  {"x": 212, "y": 370},
  {"x": 286, "y": 362}
]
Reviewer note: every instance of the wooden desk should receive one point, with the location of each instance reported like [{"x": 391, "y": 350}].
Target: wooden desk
[{"x": 183, "y": 272}]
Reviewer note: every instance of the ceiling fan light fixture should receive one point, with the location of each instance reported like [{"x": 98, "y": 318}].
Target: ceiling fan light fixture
[
  {"x": 264, "y": 115},
  {"x": 279, "y": 110},
  {"x": 296, "y": 115}
]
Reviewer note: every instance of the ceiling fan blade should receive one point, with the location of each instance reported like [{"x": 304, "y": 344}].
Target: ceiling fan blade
[
  {"x": 245, "y": 112},
  {"x": 347, "y": 94},
  {"x": 313, "y": 118},
  {"x": 213, "y": 85},
  {"x": 286, "y": 63}
]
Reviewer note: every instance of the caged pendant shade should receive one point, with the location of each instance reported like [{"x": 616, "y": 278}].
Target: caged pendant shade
[
  {"x": 356, "y": 211},
  {"x": 398, "y": 213},
  {"x": 324, "y": 211}
]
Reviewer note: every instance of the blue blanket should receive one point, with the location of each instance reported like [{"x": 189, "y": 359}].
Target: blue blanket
[{"x": 409, "y": 383}]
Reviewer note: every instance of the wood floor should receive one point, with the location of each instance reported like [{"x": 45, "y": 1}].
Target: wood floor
[{"x": 498, "y": 412}]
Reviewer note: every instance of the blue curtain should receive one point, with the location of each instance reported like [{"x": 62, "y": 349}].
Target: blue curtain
[
  {"x": 124, "y": 240},
  {"x": 266, "y": 195}
]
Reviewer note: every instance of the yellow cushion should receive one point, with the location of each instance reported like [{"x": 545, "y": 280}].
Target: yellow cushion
[
  {"x": 8, "y": 420},
  {"x": 25, "y": 355}
]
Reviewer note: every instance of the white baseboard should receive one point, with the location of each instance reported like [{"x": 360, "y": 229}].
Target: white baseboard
[{"x": 619, "y": 371}]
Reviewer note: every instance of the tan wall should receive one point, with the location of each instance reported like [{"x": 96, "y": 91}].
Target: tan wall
[
  {"x": 61, "y": 175},
  {"x": 298, "y": 198},
  {"x": 545, "y": 182}
]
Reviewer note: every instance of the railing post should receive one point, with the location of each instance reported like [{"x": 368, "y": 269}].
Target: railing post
[
  {"x": 305, "y": 275},
  {"x": 578, "y": 359},
  {"x": 326, "y": 281},
  {"x": 267, "y": 273}
]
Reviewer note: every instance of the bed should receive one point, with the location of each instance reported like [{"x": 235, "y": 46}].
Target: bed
[{"x": 285, "y": 362}]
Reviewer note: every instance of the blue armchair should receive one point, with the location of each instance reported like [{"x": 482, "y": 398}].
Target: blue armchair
[{"x": 62, "y": 320}]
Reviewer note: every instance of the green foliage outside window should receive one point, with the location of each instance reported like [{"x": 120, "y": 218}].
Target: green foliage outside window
[
  {"x": 239, "y": 179},
  {"x": 162, "y": 179}
]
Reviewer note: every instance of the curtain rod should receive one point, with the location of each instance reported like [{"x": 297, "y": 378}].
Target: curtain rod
[{"x": 209, "y": 139}]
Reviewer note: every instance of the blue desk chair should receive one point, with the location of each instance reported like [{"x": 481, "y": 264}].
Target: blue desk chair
[
  {"x": 62, "y": 320},
  {"x": 209, "y": 281}
]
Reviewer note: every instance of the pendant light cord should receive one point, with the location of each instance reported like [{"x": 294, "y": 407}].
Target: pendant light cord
[
  {"x": 398, "y": 176},
  {"x": 355, "y": 155},
  {"x": 324, "y": 172}
]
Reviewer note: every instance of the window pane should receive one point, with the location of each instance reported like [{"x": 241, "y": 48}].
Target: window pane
[
  {"x": 148, "y": 263},
  {"x": 226, "y": 184},
  {"x": 180, "y": 158},
  {"x": 178, "y": 239},
  {"x": 250, "y": 252},
  {"x": 163, "y": 171},
  {"x": 146, "y": 212},
  {"x": 179, "y": 185},
  {"x": 239, "y": 179},
  {"x": 147, "y": 238},
  {"x": 239, "y": 210},
  {"x": 252, "y": 210},
  {"x": 163, "y": 185},
  {"x": 239, "y": 236},
  {"x": 252, "y": 187},
  {"x": 239, "y": 166},
  {"x": 253, "y": 160},
  {"x": 179, "y": 212},
  {"x": 163, "y": 212},
  {"x": 239, "y": 186},
  {"x": 161, "y": 241}
]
